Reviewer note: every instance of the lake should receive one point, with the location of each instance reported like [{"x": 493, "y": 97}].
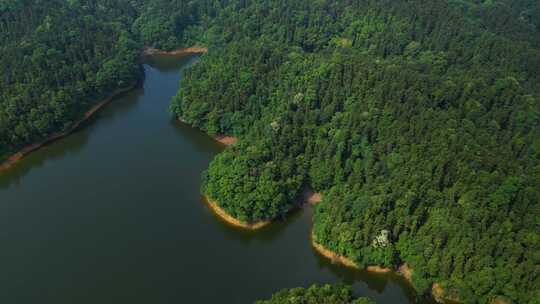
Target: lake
[{"x": 113, "y": 214}]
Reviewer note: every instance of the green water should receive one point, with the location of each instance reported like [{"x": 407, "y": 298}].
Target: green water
[{"x": 112, "y": 214}]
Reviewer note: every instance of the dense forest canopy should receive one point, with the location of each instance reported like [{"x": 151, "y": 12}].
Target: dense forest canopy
[
  {"x": 417, "y": 119},
  {"x": 59, "y": 57},
  {"x": 326, "y": 294}
]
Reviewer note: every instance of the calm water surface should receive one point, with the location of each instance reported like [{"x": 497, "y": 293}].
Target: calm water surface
[{"x": 112, "y": 214}]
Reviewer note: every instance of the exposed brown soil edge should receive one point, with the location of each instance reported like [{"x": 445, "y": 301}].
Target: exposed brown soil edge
[
  {"x": 226, "y": 140},
  {"x": 311, "y": 197},
  {"x": 148, "y": 51},
  {"x": 12, "y": 160},
  {"x": 230, "y": 219},
  {"x": 438, "y": 293},
  {"x": 337, "y": 258},
  {"x": 441, "y": 296},
  {"x": 222, "y": 139},
  {"x": 308, "y": 197}
]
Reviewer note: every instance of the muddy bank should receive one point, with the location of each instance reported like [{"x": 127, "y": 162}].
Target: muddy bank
[
  {"x": 406, "y": 272},
  {"x": 334, "y": 257},
  {"x": 438, "y": 293},
  {"x": 442, "y": 296},
  {"x": 337, "y": 258},
  {"x": 13, "y": 159},
  {"x": 311, "y": 197},
  {"x": 221, "y": 213},
  {"x": 226, "y": 140},
  {"x": 148, "y": 51},
  {"x": 230, "y": 219}
]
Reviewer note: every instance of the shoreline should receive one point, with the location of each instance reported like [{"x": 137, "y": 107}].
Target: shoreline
[
  {"x": 437, "y": 292},
  {"x": 225, "y": 139},
  {"x": 343, "y": 260},
  {"x": 441, "y": 296},
  {"x": 406, "y": 272},
  {"x": 18, "y": 156},
  {"x": 229, "y": 219},
  {"x": 309, "y": 196},
  {"x": 149, "y": 51},
  {"x": 13, "y": 159}
]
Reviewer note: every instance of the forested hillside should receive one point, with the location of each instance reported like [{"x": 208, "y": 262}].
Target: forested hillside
[
  {"x": 56, "y": 62},
  {"x": 326, "y": 294},
  {"x": 416, "y": 119},
  {"x": 59, "y": 57}
]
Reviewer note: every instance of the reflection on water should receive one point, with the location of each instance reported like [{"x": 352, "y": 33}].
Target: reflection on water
[
  {"x": 73, "y": 143},
  {"x": 167, "y": 64},
  {"x": 200, "y": 140},
  {"x": 58, "y": 150},
  {"x": 113, "y": 214},
  {"x": 266, "y": 234}
]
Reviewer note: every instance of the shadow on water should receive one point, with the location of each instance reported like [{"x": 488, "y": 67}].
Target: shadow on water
[
  {"x": 144, "y": 234},
  {"x": 77, "y": 140},
  {"x": 73, "y": 143},
  {"x": 173, "y": 64},
  {"x": 374, "y": 281},
  {"x": 59, "y": 150},
  {"x": 378, "y": 282},
  {"x": 266, "y": 234},
  {"x": 121, "y": 105},
  {"x": 362, "y": 279},
  {"x": 201, "y": 141}
]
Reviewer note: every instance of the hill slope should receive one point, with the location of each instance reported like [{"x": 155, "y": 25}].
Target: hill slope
[{"x": 416, "y": 119}]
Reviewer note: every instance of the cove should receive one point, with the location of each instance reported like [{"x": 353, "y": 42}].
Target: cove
[{"x": 113, "y": 214}]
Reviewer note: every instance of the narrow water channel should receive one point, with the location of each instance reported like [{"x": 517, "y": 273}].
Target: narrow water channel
[{"x": 112, "y": 214}]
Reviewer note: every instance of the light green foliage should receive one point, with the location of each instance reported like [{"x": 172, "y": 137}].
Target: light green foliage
[
  {"x": 325, "y": 294},
  {"x": 249, "y": 185}
]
